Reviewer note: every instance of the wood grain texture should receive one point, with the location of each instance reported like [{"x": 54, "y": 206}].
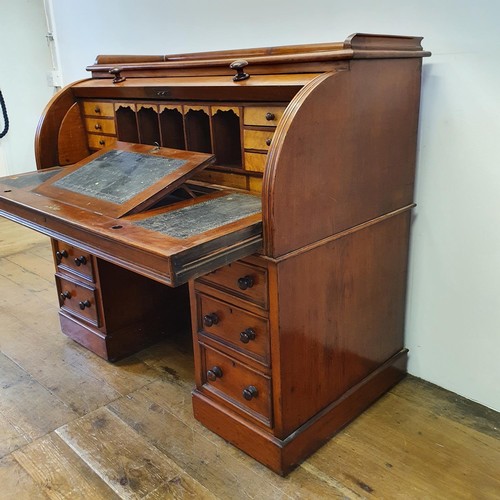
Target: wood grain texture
[
  {"x": 124, "y": 460},
  {"x": 356, "y": 155},
  {"x": 72, "y": 140},
  {"x": 16, "y": 481},
  {"x": 346, "y": 321},
  {"x": 59, "y": 472},
  {"x": 47, "y": 132}
]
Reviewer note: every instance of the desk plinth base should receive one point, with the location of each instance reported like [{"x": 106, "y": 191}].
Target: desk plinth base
[
  {"x": 283, "y": 455},
  {"x": 111, "y": 347}
]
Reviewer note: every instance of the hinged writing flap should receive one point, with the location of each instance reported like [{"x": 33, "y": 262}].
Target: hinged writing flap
[{"x": 125, "y": 178}]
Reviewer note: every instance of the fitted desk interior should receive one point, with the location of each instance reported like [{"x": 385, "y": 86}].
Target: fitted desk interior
[{"x": 259, "y": 198}]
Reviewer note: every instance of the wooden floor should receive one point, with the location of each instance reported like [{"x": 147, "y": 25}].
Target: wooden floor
[{"x": 75, "y": 426}]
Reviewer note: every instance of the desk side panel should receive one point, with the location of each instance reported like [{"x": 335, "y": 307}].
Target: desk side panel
[{"x": 341, "y": 316}]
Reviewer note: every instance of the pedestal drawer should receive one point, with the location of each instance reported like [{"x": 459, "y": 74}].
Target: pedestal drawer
[
  {"x": 236, "y": 384},
  {"x": 77, "y": 299},
  {"x": 230, "y": 325},
  {"x": 240, "y": 279},
  {"x": 72, "y": 259}
]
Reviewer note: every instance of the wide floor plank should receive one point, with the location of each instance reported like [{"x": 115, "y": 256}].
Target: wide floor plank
[
  {"x": 16, "y": 483},
  {"x": 25, "y": 403},
  {"x": 399, "y": 449},
  {"x": 123, "y": 459},
  {"x": 59, "y": 472}
]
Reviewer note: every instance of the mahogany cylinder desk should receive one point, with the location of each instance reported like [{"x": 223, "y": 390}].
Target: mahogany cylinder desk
[{"x": 260, "y": 197}]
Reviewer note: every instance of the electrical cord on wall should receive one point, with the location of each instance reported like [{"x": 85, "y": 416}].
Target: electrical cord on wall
[{"x": 5, "y": 116}]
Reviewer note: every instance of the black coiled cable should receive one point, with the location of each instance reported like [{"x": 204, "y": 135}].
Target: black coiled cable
[{"x": 5, "y": 116}]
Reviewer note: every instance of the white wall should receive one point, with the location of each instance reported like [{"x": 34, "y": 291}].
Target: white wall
[
  {"x": 453, "y": 320},
  {"x": 24, "y": 64}
]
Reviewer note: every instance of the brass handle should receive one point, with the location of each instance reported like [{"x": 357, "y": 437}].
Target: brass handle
[
  {"x": 250, "y": 392},
  {"x": 247, "y": 335},
  {"x": 81, "y": 260},
  {"x": 238, "y": 65},
  {"x": 214, "y": 374},
  {"x": 65, "y": 295},
  {"x": 270, "y": 117},
  {"x": 83, "y": 304}
]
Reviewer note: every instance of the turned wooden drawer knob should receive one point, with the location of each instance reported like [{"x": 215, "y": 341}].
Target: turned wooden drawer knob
[
  {"x": 80, "y": 260},
  {"x": 116, "y": 72},
  {"x": 210, "y": 319},
  {"x": 65, "y": 295},
  {"x": 238, "y": 65},
  {"x": 250, "y": 392},
  {"x": 61, "y": 255},
  {"x": 247, "y": 335},
  {"x": 268, "y": 142},
  {"x": 98, "y": 126},
  {"x": 214, "y": 374},
  {"x": 245, "y": 282},
  {"x": 102, "y": 142},
  {"x": 83, "y": 304},
  {"x": 270, "y": 117}
]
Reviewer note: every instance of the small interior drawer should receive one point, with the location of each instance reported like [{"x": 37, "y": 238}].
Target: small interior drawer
[
  {"x": 257, "y": 139},
  {"x": 100, "y": 125},
  {"x": 236, "y": 384},
  {"x": 243, "y": 280},
  {"x": 255, "y": 162},
  {"x": 267, "y": 116},
  {"x": 100, "y": 141},
  {"x": 69, "y": 258},
  {"x": 93, "y": 108},
  {"x": 235, "y": 327},
  {"x": 78, "y": 299}
]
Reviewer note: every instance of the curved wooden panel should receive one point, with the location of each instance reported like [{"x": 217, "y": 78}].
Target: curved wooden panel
[
  {"x": 346, "y": 149},
  {"x": 47, "y": 132},
  {"x": 72, "y": 139}
]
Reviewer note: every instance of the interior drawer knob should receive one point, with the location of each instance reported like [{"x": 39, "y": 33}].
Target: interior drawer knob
[
  {"x": 270, "y": 117},
  {"x": 98, "y": 126},
  {"x": 97, "y": 110},
  {"x": 247, "y": 335},
  {"x": 83, "y": 304},
  {"x": 250, "y": 392},
  {"x": 81, "y": 260},
  {"x": 65, "y": 295},
  {"x": 245, "y": 282},
  {"x": 214, "y": 373},
  {"x": 210, "y": 319},
  {"x": 61, "y": 255},
  {"x": 268, "y": 142}
]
